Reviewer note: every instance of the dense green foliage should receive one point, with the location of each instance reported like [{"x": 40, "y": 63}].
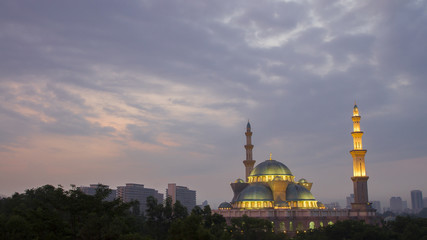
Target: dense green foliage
[
  {"x": 403, "y": 228},
  {"x": 54, "y": 213}
]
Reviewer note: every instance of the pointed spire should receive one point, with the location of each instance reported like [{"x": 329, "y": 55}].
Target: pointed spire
[
  {"x": 355, "y": 110},
  {"x": 270, "y": 156},
  {"x": 248, "y": 126}
]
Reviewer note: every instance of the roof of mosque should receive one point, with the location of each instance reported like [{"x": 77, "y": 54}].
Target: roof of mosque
[
  {"x": 239, "y": 180},
  {"x": 295, "y": 192},
  {"x": 270, "y": 167},
  {"x": 255, "y": 192},
  {"x": 224, "y": 205},
  {"x": 302, "y": 180}
]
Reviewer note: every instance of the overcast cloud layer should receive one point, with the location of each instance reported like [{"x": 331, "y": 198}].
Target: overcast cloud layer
[{"x": 159, "y": 91}]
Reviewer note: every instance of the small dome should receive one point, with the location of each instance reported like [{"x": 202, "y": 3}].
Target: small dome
[
  {"x": 255, "y": 192},
  {"x": 225, "y": 205},
  {"x": 270, "y": 167},
  {"x": 302, "y": 180},
  {"x": 239, "y": 180},
  {"x": 296, "y": 192}
]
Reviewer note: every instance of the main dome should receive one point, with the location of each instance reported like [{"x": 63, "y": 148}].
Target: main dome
[{"x": 270, "y": 167}]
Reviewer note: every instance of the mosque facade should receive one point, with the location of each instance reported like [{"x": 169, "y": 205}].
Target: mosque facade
[{"x": 270, "y": 191}]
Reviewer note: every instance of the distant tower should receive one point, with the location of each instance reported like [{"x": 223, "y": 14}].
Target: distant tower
[
  {"x": 249, "y": 162},
  {"x": 360, "y": 180},
  {"x": 417, "y": 201}
]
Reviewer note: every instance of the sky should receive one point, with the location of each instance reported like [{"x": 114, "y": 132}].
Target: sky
[{"x": 160, "y": 91}]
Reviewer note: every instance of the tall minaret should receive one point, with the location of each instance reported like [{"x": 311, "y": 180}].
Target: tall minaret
[
  {"x": 360, "y": 180},
  {"x": 249, "y": 162}
]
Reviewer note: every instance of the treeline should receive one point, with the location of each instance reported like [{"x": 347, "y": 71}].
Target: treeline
[
  {"x": 54, "y": 213},
  {"x": 49, "y": 213}
]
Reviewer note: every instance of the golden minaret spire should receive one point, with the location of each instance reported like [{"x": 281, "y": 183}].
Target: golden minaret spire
[
  {"x": 360, "y": 180},
  {"x": 359, "y": 162},
  {"x": 249, "y": 162}
]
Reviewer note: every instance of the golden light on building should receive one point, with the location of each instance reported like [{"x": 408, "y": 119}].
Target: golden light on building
[
  {"x": 270, "y": 191},
  {"x": 270, "y": 185},
  {"x": 359, "y": 171},
  {"x": 358, "y": 152}
]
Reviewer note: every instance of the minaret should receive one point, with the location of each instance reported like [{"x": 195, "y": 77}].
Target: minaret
[
  {"x": 360, "y": 180},
  {"x": 249, "y": 162}
]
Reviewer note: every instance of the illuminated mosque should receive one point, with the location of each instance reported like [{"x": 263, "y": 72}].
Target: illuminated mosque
[{"x": 270, "y": 191}]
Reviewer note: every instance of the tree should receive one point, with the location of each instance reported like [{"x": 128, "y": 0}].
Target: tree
[
  {"x": 252, "y": 228},
  {"x": 409, "y": 227},
  {"x": 179, "y": 211},
  {"x": 349, "y": 229},
  {"x": 423, "y": 213},
  {"x": 53, "y": 213},
  {"x": 189, "y": 228}
]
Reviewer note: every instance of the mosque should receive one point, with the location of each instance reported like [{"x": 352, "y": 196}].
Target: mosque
[{"x": 270, "y": 191}]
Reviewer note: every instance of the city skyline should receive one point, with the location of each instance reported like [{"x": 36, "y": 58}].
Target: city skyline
[{"x": 154, "y": 92}]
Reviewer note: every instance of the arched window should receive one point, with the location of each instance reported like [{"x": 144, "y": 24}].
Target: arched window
[
  {"x": 312, "y": 225},
  {"x": 291, "y": 226},
  {"x": 282, "y": 226},
  {"x": 300, "y": 227},
  {"x": 330, "y": 223}
]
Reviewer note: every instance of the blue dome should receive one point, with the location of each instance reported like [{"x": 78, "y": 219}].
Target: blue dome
[
  {"x": 239, "y": 180},
  {"x": 295, "y": 192},
  {"x": 224, "y": 205},
  {"x": 270, "y": 167},
  {"x": 302, "y": 180},
  {"x": 255, "y": 192}
]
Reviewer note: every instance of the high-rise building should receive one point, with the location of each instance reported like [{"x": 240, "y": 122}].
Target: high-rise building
[
  {"x": 333, "y": 205},
  {"x": 133, "y": 191},
  {"x": 417, "y": 200},
  {"x": 204, "y": 203},
  {"x": 424, "y": 202},
  {"x": 404, "y": 205},
  {"x": 360, "y": 179},
  {"x": 91, "y": 190},
  {"x": 396, "y": 204},
  {"x": 182, "y": 194},
  {"x": 376, "y": 205},
  {"x": 350, "y": 200}
]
